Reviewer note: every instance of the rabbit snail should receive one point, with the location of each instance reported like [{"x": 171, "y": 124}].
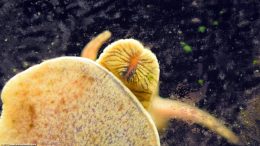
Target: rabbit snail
[{"x": 137, "y": 67}]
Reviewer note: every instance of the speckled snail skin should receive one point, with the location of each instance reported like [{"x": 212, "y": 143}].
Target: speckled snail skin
[
  {"x": 137, "y": 67},
  {"x": 68, "y": 101}
]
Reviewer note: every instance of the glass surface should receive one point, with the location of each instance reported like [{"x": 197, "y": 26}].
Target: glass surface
[{"x": 208, "y": 51}]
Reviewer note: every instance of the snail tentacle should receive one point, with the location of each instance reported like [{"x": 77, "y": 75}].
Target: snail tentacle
[
  {"x": 91, "y": 49},
  {"x": 165, "y": 109}
]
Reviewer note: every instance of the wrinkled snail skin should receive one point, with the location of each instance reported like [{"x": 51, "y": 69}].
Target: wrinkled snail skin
[
  {"x": 138, "y": 68},
  {"x": 135, "y": 66}
]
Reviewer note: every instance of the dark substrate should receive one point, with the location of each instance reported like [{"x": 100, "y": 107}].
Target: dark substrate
[{"x": 223, "y": 35}]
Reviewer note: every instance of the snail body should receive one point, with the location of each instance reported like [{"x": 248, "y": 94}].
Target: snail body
[
  {"x": 138, "y": 69},
  {"x": 112, "y": 100}
]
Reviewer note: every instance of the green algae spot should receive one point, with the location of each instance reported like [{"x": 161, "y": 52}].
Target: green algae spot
[
  {"x": 186, "y": 48},
  {"x": 215, "y": 23},
  {"x": 255, "y": 62},
  {"x": 202, "y": 29},
  {"x": 200, "y": 82}
]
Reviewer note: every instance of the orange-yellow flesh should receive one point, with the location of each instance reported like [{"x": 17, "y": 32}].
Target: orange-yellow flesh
[
  {"x": 91, "y": 49},
  {"x": 132, "y": 67},
  {"x": 163, "y": 110}
]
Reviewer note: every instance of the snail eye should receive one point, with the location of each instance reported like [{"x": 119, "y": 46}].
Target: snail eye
[{"x": 134, "y": 65}]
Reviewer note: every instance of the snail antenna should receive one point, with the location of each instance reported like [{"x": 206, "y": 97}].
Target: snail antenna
[
  {"x": 165, "y": 109},
  {"x": 91, "y": 49}
]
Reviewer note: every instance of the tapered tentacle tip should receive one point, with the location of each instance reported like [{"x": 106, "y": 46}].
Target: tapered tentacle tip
[
  {"x": 107, "y": 34},
  {"x": 231, "y": 137},
  {"x": 164, "y": 109},
  {"x": 91, "y": 49}
]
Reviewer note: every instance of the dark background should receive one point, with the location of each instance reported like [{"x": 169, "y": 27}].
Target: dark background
[{"x": 223, "y": 56}]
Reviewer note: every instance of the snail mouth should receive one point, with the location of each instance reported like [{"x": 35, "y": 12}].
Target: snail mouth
[{"x": 130, "y": 71}]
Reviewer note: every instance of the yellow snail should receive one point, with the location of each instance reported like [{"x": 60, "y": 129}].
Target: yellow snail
[
  {"x": 113, "y": 100},
  {"x": 137, "y": 67}
]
